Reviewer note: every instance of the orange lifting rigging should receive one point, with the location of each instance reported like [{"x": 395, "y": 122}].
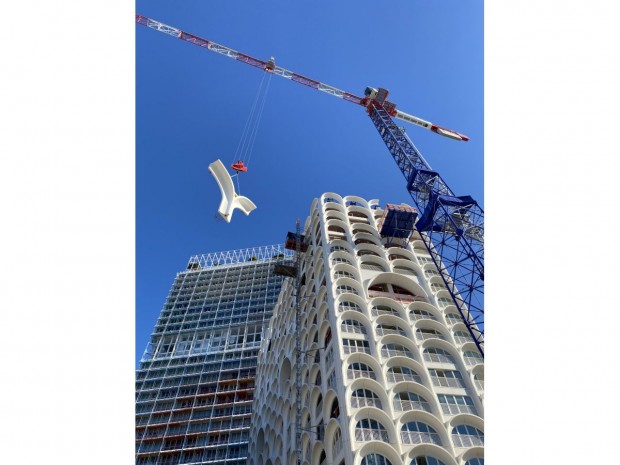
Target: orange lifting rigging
[{"x": 239, "y": 167}]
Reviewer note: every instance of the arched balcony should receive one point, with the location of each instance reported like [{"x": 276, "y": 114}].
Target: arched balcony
[{"x": 405, "y": 401}]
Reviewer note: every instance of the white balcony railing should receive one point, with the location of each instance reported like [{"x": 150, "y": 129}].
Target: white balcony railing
[
  {"x": 363, "y": 434},
  {"x": 359, "y": 402},
  {"x": 384, "y": 332},
  {"x": 399, "y": 377},
  {"x": 417, "y": 437},
  {"x": 406, "y": 405},
  {"x": 354, "y": 374}
]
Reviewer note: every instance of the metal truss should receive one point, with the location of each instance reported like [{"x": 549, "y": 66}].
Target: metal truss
[
  {"x": 234, "y": 257},
  {"x": 268, "y": 66},
  {"x": 451, "y": 227}
]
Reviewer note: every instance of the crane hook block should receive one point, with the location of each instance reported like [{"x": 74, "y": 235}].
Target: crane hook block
[
  {"x": 239, "y": 166},
  {"x": 230, "y": 199}
]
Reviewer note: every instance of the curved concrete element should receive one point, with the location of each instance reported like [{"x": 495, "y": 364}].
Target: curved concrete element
[{"x": 230, "y": 199}]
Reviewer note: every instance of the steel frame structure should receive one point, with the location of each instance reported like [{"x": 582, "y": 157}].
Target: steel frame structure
[
  {"x": 195, "y": 384},
  {"x": 452, "y": 228}
]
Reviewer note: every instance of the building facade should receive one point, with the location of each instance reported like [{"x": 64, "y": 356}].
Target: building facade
[
  {"x": 195, "y": 384},
  {"x": 389, "y": 372}
]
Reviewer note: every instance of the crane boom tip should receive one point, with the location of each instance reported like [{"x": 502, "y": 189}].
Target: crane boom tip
[{"x": 449, "y": 133}]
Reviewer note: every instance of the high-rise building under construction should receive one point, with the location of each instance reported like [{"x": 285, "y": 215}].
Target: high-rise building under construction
[
  {"x": 366, "y": 360},
  {"x": 195, "y": 384}
]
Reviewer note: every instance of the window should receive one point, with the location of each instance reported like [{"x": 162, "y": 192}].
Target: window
[
  {"x": 335, "y": 409},
  {"x": 417, "y": 314},
  {"x": 405, "y": 401},
  {"x": 355, "y": 345},
  {"x": 345, "y": 288},
  {"x": 329, "y": 357},
  {"x": 379, "y": 288},
  {"x": 348, "y": 305},
  {"x": 372, "y": 266},
  {"x": 446, "y": 378},
  {"x": 368, "y": 429},
  {"x": 337, "y": 443},
  {"x": 467, "y": 436},
  {"x": 428, "y": 333},
  {"x": 436, "y": 354},
  {"x": 352, "y": 326},
  {"x": 472, "y": 358},
  {"x": 475, "y": 461},
  {"x": 479, "y": 381},
  {"x": 331, "y": 380},
  {"x": 426, "y": 460},
  {"x": 375, "y": 459},
  {"x": 360, "y": 370},
  {"x": 405, "y": 270},
  {"x": 416, "y": 432},
  {"x": 462, "y": 337},
  {"x": 383, "y": 310},
  {"x": 453, "y": 318},
  {"x": 395, "y": 350},
  {"x": 444, "y": 301},
  {"x": 453, "y": 405},
  {"x": 398, "y": 374},
  {"x": 342, "y": 274},
  {"x": 384, "y": 329},
  {"x": 319, "y": 405},
  {"x": 365, "y": 397}
]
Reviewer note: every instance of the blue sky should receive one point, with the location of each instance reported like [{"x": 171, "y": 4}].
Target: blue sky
[{"x": 192, "y": 104}]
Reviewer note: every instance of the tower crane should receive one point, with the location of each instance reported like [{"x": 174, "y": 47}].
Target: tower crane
[{"x": 451, "y": 226}]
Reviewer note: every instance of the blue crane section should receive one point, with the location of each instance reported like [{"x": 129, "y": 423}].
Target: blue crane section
[{"x": 451, "y": 227}]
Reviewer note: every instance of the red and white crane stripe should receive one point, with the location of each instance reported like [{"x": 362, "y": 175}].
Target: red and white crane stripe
[{"x": 271, "y": 67}]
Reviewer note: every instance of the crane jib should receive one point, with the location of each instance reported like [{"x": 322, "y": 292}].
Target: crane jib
[{"x": 255, "y": 62}]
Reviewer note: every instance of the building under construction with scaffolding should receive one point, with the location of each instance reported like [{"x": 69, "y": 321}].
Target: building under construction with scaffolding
[{"x": 195, "y": 384}]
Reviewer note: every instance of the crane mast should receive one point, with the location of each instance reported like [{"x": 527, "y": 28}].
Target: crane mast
[{"x": 451, "y": 227}]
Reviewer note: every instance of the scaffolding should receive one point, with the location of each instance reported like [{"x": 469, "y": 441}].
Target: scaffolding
[{"x": 195, "y": 384}]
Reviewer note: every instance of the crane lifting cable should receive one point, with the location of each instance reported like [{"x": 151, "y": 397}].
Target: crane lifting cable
[
  {"x": 245, "y": 147},
  {"x": 232, "y": 200}
]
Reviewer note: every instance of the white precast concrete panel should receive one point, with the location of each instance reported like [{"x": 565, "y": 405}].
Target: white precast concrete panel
[{"x": 230, "y": 199}]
